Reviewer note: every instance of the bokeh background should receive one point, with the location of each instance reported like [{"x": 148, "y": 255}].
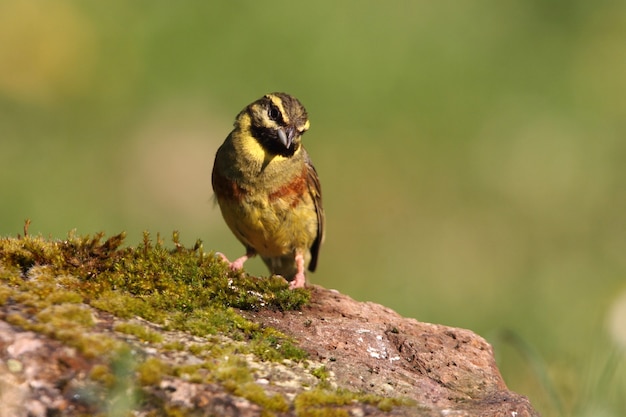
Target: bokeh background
[{"x": 472, "y": 154}]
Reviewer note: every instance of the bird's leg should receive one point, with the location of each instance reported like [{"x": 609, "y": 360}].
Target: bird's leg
[
  {"x": 299, "y": 279},
  {"x": 237, "y": 264}
]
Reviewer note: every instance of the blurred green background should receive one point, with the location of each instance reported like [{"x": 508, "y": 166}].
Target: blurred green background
[{"x": 472, "y": 154}]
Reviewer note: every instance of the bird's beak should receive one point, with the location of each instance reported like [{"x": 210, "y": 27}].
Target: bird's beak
[{"x": 286, "y": 136}]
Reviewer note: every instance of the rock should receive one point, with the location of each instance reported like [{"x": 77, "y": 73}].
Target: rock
[
  {"x": 363, "y": 346},
  {"x": 88, "y": 327},
  {"x": 371, "y": 348}
]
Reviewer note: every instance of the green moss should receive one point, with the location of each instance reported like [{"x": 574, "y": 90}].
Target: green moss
[
  {"x": 321, "y": 373},
  {"x": 69, "y": 330},
  {"x": 68, "y": 323},
  {"x": 233, "y": 372},
  {"x": 126, "y": 306},
  {"x": 142, "y": 332},
  {"x": 319, "y": 397},
  {"x": 17, "y": 319},
  {"x": 209, "y": 321},
  {"x": 197, "y": 348},
  {"x": 63, "y": 316},
  {"x": 269, "y": 344},
  {"x": 9, "y": 274},
  {"x": 323, "y": 412},
  {"x": 26, "y": 252},
  {"x": 65, "y": 296},
  {"x": 102, "y": 374},
  {"x": 255, "y": 393},
  {"x": 175, "y": 345},
  {"x": 196, "y": 373},
  {"x": 92, "y": 345},
  {"x": 274, "y": 402},
  {"x": 322, "y": 402},
  {"x": 184, "y": 288},
  {"x": 5, "y": 294},
  {"x": 386, "y": 403},
  {"x": 151, "y": 371},
  {"x": 174, "y": 411},
  {"x": 236, "y": 377}
]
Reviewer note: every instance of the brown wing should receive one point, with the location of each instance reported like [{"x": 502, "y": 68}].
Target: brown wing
[{"x": 315, "y": 190}]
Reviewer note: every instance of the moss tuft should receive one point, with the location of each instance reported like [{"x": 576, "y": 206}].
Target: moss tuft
[
  {"x": 102, "y": 374},
  {"x": 151, "y": 371},
  {"x": 255, "y": 393},
  {"x": 66, "y": 316},
  {"x": 323, "y": 402},
  {"x": 141, "y": 332},
  {"x": 321, "y": 373},
  {"x": 65, "y": 296}
]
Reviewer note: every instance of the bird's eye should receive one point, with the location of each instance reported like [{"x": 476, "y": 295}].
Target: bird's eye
[{"x": 273, "y": 113}]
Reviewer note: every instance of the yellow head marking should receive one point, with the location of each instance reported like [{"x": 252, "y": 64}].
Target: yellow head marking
[
  {"x": 306, "y": 126},
  {"x": 278, "y": 102},
  {"x": 251, "y": 146}
]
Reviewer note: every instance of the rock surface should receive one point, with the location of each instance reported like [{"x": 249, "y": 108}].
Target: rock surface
[
  {"x": 363, "y": 347},
  {"x": 369, "y": 347}
]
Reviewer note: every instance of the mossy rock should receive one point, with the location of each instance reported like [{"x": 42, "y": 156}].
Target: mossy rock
[{"x": 148, "y": 317}]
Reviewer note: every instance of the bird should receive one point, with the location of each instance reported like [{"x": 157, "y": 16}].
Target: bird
[{"x": 268, "y": 190}]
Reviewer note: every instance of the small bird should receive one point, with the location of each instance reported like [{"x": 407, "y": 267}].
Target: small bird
[{"x": 268, "y": 190}]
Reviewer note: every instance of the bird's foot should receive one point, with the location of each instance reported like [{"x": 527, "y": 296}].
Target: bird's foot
[
  {"x": 299, "y": 280},
  {"x": 237, "y": 264}
]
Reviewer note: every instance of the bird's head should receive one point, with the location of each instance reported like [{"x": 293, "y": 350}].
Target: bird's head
[{"x": 277, "y": 121}]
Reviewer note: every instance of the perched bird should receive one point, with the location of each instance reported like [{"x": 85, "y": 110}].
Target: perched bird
[{"x": 268, "y": 190}]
